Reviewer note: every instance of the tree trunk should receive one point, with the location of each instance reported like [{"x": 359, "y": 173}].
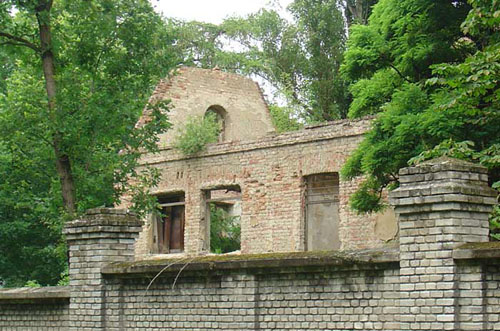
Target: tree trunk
[
  {"x": 63, "y": 164},
  {"x": 359, "y": 11}
]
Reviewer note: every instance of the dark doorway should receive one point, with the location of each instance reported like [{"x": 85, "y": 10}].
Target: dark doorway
[{"x": 169, "y": 225}]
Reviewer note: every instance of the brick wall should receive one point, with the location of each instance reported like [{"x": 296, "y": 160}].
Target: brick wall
[
  {"x": 445, "y": 275},
  {"x": 35, "y": 317},
  {"x": 192, "y": 91},
  {"x": 270, "y": 172},
  {"x": 37, "y": 309},
  {"x": 441, "y": 204},
  {"x": 327, "y": 291},
  {"x": 478, "y": 297},
  {"x": 98, "y": 238}
]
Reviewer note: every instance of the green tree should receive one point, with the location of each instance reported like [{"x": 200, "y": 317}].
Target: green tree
[
  {"x": 398, "y": 46},
  {"x": 284, "y": 119},
  {"x": 302, "y": 58},
  {"x": 225, "y": 231},
  {"x": 197, "y": 43},
  {"x": 449, "y": 108},
  {"x": 82, "y": 73}
]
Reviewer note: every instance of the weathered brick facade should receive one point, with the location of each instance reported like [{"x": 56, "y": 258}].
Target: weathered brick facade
[
  {"x": 192, "y": 91},
  {"x": 439, "y": 273},
  {"x": 270, "y": 172}
]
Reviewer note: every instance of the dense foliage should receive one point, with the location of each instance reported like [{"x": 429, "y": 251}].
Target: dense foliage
[
  {"x": 283, "y": 119},
  {"x": 225, "y": 231},
  {"x": 431, "y": 71},
  {"x": 196, "y": 133},
  {"x": 75, "y": 79}
]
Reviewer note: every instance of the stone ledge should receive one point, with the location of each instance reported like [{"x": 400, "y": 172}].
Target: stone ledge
[
  {"x": 437, "y": 188},
  {"x": 259, "y": 263},
  {"x": 29, "y": 294},
  {"x": 109, "y": 211},
  {"x": 480, "y": 250}
]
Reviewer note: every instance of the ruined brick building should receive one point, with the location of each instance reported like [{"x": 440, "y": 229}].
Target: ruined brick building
[
  {"x": 442, "y": 273},
  {"x": 285, "y": 188}
]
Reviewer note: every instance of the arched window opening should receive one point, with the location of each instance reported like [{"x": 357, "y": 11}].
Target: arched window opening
[{"x": 220, "y": 115}]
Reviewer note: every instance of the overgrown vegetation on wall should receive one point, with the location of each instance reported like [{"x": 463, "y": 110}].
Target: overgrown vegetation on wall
[{"x": 196, "y": 133}]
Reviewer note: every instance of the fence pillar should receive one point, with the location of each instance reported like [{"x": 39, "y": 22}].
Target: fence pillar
[
  {"x": 440, "y": 204},
  {"x": 99, "y": 237}
]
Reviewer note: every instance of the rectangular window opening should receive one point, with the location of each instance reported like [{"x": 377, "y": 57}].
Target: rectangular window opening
[
  {"x": 168, "y": 226},
  {"x": 223, "y": 219},
  {"x": 322, "y": 211}
]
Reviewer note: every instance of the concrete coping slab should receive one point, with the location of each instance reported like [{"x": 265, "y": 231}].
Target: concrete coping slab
[
  {"x": 258, "y": 263},
  {"x": 49, "y": 293},
  {"x": 479, "y": 250}
]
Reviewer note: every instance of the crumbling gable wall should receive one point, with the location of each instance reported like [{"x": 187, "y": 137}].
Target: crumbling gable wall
[{"x": 193, "y": 91}]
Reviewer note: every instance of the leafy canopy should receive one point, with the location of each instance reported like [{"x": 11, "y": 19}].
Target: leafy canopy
[
  {"x": 299, "y": 59},
  {"x": 107, "y": 55},
  {"x": 446, "y": 99}
]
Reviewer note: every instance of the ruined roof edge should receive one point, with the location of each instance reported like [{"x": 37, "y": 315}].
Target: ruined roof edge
[{"x": 327, "y": 131}]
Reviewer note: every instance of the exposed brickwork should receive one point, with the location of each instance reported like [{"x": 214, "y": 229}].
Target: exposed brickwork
[
  {"x": 447, "y": 278},
  {"x": 98, "y": 238},
  {"x": 257, "y": 296},
  {"x": 342, "y": 299},
  {"x": 491, "y": 298},
  {"x": 269, "y": 168},
  {"x": 440, "y": 204},
  {"x": 270, "y": 172},
  {"x": 193, "y": 90},
  {"x": 40, "y": 316}
]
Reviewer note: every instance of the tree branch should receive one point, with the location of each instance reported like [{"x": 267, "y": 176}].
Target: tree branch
[
  {"x": 399, "y": 73},
  {"x": 18, "y": 41}
]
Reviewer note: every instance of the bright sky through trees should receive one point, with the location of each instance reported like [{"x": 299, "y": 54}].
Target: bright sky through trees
[{"x": 212, "y": 11}]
